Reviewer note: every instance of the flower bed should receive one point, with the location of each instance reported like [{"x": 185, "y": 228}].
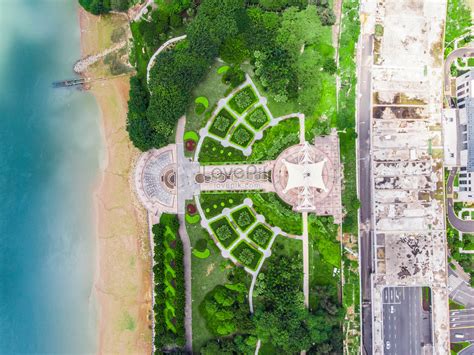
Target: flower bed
[
  {"x": 222, "y": 123},
  {"x": 257, "y": 118},
  {"x": 244, "y": 218},
  {"x": 247, "y": 255},
  {"x": 243, "y": 100},
  {"x": 224, "y": 231},
  {"x": 242, "y": 136},
  {"x": 261, "y": 235}
]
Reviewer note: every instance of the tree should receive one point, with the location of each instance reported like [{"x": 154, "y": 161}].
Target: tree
[
  {"x": 274, "y": 68},
  {"x": 299, "y": 29},
  {"x": 234, "y": 50}
]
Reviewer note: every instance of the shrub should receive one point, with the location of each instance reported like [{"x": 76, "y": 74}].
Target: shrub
[
  {"x": 261, "y": 235},
  {"x": 277, "y": 212},
  {"x": 257, "y": 118},
  {"x": 233, "y": 76},
  {"x": 199, "y": 109},
  {"x": 243, "y": 100},
  {"x": 242, "y": 136},
  {"x": 243, "y": 217},
  {"x": 222, "y": 123},
  {"x": 201, "y": 244}
]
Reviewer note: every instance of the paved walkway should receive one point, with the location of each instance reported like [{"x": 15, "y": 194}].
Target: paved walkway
[
  {"x": 188, "y": 308},
  {"x": 305, "y": 259}
]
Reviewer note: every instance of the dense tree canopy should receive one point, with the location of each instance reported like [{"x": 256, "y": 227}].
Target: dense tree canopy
[
  {"x": 282, "y": 319},
  {"x": 98, "y": 7}
]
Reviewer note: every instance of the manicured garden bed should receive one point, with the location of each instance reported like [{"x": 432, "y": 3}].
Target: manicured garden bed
[
  {"x": 261, "y": 235},
  {"x": 213, "y": 203},
  {"x": 244, "y": 218},
  {"x": 222, "y": 123},
  {"x": 192, "y": 219},
  {"x": 247, "y": 255},
  {"x": 243, "y": 99},
  {"x": 242, "y": 136},
  {"x": 257, "y": 118},
  {"x": 224, "y": 231},
  {"x": 213, "y": 152},
  {"x": 201, "y": 254}
]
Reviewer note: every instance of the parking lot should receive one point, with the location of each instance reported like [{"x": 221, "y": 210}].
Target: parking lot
[
  {"x": 406, "y": 326},
  {"x": 462, "y": 325}
]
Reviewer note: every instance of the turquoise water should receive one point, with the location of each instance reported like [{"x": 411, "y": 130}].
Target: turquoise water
[{"x": 50, "y": 152}]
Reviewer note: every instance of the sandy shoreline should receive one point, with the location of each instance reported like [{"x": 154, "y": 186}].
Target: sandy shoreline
[{"x": 122, "y": 281}]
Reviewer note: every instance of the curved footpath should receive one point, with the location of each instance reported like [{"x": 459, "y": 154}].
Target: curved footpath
[
  {"x": 158, "y": 51},
  {"x": 457, "y": 53}
]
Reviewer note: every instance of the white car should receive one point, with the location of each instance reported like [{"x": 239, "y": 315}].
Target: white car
[
  {"x": 387, "y": 345},
  {"x": 392, "y": 309},
  {"x": 459, "y": 336}
]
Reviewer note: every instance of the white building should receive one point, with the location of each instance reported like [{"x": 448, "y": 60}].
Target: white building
[{"x": 458, "y": 127}]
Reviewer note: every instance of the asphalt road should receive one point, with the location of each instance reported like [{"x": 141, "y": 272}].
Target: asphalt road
[
  {"x": 406, "y": 326},
  {"x": 365, "y": 191}
]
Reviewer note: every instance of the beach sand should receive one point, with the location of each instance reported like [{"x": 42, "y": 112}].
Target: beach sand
[{"x": 123, "y": 279}]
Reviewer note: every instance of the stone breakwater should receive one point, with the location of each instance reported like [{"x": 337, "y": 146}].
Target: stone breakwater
[{"x": 82, "y": 64}]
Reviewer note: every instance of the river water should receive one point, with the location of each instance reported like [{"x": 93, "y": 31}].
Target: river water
[{"x": 50, "y": 154}]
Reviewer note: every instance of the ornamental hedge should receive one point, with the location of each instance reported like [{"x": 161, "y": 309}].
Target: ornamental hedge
[
  {"x": 224, "y": 231},
  {"x": 244, "y": 218},
  {"x": 258, "y": 118},
  {"x": 168, "y": 271},
  {"x": 261, "y": 235},
  {"x": 242, "y": 136},
  {"x": 222, "y": 123},
  {"x": 243, "y": 99},
  {"x": 247, "y": 255}
]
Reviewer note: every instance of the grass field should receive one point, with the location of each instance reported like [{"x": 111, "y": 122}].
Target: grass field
[
  {"x": 206, "y": 274},
  {"x": 213, "y": 89}
]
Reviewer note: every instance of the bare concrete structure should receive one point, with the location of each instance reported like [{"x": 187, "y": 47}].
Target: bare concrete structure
[{"x": 407, "y": 158}]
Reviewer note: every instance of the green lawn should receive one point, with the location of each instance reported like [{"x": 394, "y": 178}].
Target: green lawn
[
  {"x": 206, "y": 274},
  {"x": 213, "y": 89}
]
